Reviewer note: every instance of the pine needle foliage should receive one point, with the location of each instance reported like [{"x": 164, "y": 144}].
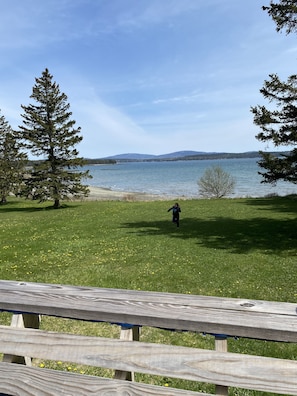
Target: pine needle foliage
[
  {"x": 284, "y": 14},
  {"x": 278, "y": 123},
  {"x": 12, "y": 162},
  {"x": 49, "y": 133}
]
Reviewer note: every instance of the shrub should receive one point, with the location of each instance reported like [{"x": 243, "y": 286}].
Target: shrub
[{"x": 216, "y": 183}]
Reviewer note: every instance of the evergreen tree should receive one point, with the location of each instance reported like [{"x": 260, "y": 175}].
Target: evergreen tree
[
  {"x": 49, "y": 133},
  {"x": 12, "y": 162},
  {"x": 279, "y": 124},
  {"x": 284, "y": 14}
]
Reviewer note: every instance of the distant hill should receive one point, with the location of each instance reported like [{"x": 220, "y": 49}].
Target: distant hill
[
  {"x": 143, "y": 157},
  {"x": 131, "y": 156},
  {"x": 180, "y": 154},
  {"x": 186, "y": 155}
]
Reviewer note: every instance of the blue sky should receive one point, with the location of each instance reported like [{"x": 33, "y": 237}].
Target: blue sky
[{"x": 146, "y": 76}]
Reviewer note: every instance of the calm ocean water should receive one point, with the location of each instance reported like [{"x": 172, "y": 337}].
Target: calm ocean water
[{"x": 179, "y": 178}]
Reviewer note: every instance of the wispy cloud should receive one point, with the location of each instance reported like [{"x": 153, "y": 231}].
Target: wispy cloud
[
  {"x": 145, "y": 75},
  {"x": 134, "y": 14}
]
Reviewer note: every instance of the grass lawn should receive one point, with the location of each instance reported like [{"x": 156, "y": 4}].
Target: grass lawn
[{"x": 244, "y": 248}]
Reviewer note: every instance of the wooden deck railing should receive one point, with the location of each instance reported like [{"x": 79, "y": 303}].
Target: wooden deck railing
[{"x": 24, "y": 340}]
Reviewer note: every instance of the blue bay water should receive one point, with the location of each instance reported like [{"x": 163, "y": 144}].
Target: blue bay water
[{"x": 179, "y": 178}]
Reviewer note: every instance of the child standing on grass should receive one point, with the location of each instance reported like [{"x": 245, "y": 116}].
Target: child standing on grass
[{"x": 175, "y": 213}]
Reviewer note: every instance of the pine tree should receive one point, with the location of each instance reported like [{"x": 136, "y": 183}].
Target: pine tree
[
  {"x": 279, "y": 122},
  {"x": 284, "y": 14},
  {"x": 12, "y": 162},
  {"x": 49, "y": 133},
  {"x": 279, "y": 126}
]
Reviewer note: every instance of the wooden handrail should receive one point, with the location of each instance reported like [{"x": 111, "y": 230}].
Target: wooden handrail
[
  {"x": 214, "y": 315},
  {"x": 221, "y": 317}
]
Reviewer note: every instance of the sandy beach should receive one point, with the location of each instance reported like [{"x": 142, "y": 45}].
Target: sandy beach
[{"x": 106, "y": 194}]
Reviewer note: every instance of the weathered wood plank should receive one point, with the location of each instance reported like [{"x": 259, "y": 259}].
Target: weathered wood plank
[
  {"x": 283, "y": 308},
  {"x": 222, "y": 368},
  {"x": 30, "y": 381},
  {"x": 235, "y": 317},
  {"x": 22, "y": 321}
]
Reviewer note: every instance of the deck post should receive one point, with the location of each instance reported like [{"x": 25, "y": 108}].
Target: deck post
[
  {"x": 128, "y": 333},
  {"x": 221, "y": 345},
  {"x": 22, "y": 321}
]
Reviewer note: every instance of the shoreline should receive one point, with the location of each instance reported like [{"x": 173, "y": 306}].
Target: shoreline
[{"x": 106, "y": 194}]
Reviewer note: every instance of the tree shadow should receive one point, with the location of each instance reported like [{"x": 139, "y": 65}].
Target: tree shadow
[
  {"x": 286, "y": 204},
  {"x": 11, "y": 207},
  {"x": 235, "y": 235}
]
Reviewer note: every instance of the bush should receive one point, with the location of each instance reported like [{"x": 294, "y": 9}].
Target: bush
[{"x": 216, "y": 183}]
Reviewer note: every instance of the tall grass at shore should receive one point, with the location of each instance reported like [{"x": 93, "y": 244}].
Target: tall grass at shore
[{"x": 245, "y": 248}]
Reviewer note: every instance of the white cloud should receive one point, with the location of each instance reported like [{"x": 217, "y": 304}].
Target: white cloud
[
  {"x": 107, "y": 130},
  {"x": 146, "y": 76}
]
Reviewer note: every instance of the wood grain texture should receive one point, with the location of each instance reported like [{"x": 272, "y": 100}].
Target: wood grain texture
[
  {"x": 234, "y": 317},
  {"x": 214, "y": 315},
  {"x": 22, "y": 321},
  {"x": 29, "y": 381},
  {"x": 222, "y": 368}
]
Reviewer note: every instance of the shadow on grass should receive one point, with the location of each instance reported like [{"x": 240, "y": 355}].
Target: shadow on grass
[
  {"x": 286, "y": 204},
  {"x": 238, "y": 236},
  {"x": 12, "y": 207}
]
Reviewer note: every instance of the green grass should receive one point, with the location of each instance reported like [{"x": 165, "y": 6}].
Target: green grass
[{"x": 244, "y": 248}]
